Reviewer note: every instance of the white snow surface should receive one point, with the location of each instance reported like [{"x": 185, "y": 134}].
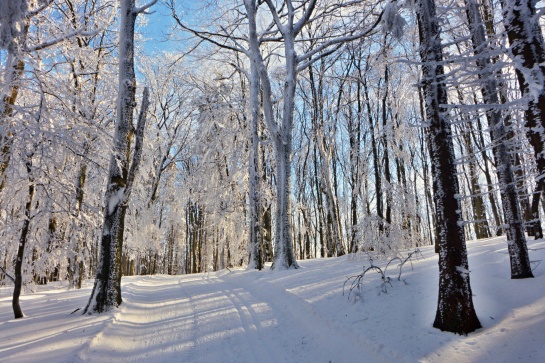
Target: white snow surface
[{"x": 286, "y": 316}]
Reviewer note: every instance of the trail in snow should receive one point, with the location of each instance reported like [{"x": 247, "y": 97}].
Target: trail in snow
[{"x": 296, "y": 315}]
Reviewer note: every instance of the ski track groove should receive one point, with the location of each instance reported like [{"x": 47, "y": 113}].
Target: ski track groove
[
  {"x": 296, "y": 313},
  {"x": 221, "y": 318},
  {"x": 251, "y": 324}
]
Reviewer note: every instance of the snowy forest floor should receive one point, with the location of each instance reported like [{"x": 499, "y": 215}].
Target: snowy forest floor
[{"x": 280, "y": 316}]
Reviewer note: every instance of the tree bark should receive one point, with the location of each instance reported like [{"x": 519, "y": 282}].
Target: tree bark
[
  {"x": 516, "y": 241},
  {"x": 528, "y": 49},
  {"x": 455, "y": 311},
  {"x": 255, "y": 258}
]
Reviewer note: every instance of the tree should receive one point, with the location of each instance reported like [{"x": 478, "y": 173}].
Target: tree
[
  {"x": 256, "y": 258},
  {"x": 455, "y": 311},
  {"x": 106, "y": 292},
  {"x": 516, "y": 241},
  {"x": 527, "y": 49}
]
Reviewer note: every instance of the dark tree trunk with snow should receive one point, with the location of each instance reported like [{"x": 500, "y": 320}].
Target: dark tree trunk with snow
[
  {"x": 516, "y": 241},
  {"x": 528, "y": 48},
  {"x": 455, "y": 311},
  {"x": 17, "y": 311},
  {"x": 106, "y": 292}
]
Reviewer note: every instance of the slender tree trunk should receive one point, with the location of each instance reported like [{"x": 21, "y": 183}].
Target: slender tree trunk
[
  {"x": 374, "y": 149},
  {"x": 455, "y": 311},
  {"x": 386, "y": 154},
  {"x": 17, "y": 311}
]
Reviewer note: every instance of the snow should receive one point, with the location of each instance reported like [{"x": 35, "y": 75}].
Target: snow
[
  {"x": 115, "y": 199},
  {"x": 292, "y": 315}
]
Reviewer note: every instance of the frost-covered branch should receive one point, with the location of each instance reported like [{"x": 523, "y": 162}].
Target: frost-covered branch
[
  {"x": 63, "y": 38},
  {"x": 356, "y": 281},
  {"x": 332, "y": 42},
  {"x": 143, "y": 8}
]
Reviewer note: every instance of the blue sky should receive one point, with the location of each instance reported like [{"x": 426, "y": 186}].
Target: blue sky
[{"x": 158, "y": 25}]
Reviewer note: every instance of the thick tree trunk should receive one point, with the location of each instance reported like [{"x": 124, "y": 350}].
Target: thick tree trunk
[
  {"x": 255, "y": 258},
  {"x": 455, "y": 311},
  {"x": 284, "y": 257},
  {"x": 106, "y": 292}
]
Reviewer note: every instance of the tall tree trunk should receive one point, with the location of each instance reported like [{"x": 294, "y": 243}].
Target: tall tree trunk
[
  {"x": 255, "y": 258},
  {"x": 106, "y": 292},
  {"x": 455, "y": 311},
  {"x": 386, "y": 155},
  {"x": 354, "y": 129},
  {"x": 284, "y": 256},
  {"x": 516, "y": 241},
  {"x": 528, "y": 49}
]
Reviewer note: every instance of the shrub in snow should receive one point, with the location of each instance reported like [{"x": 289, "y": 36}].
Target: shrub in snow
[{"x": 356, "y": 281}]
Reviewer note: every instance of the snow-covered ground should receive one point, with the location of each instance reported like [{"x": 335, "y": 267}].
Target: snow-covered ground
[{"x": 286, "y": 316}]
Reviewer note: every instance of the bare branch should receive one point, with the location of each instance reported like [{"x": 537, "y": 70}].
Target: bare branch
[
  {"x": 8, "y": 275},
  {"x": 306, "y": 16},
  {"x": 335, "y": 41},
  {"x": 207, "y": 36}
]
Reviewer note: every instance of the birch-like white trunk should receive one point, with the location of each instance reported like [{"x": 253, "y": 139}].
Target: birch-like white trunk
[
  {"x": 256, "y": 259},
  {"x": 284, "y": 256}
]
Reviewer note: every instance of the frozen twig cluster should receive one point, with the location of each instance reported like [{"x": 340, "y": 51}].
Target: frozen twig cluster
[{"x": 356, "y": 281}]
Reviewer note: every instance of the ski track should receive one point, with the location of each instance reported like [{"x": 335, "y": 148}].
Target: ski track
[
  {"x": 299, "y": 331},
  {"x": 222, "y": 317},
  {"x": 284, "y": 316}
]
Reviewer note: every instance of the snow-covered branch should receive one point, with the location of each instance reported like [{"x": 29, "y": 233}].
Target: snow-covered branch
[
  {"x": 332, "y": 42},
  {"x": 142, "y": 9}
]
